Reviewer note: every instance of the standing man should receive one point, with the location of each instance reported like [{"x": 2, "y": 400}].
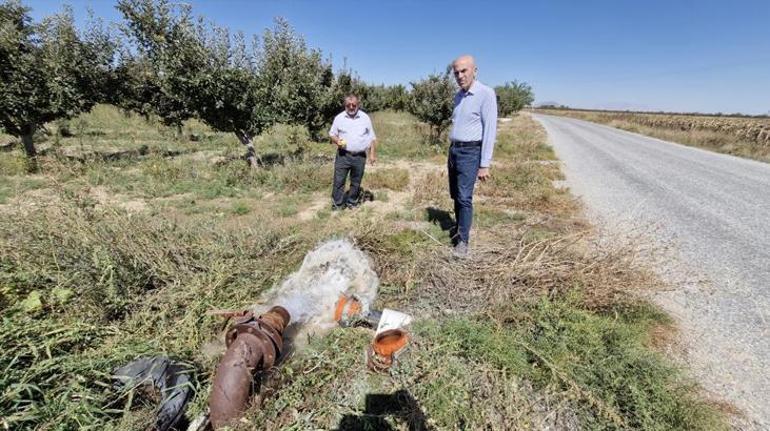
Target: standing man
[
  {"x": 353, "y": 134},
  {"x": 474, "y": 127}
]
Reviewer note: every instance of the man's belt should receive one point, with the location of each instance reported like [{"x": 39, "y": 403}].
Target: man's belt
[
  {"x": 460, "y": 144},
  {"x": 344, "y": 152}
]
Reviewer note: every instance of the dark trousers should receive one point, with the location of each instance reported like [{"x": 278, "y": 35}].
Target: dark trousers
[
  {"x": 347, "y": 162},
  {"x": 463, "y": 165}
]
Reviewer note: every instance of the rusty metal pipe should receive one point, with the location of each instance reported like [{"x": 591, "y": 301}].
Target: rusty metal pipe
[{"x": 253, "y": 345}]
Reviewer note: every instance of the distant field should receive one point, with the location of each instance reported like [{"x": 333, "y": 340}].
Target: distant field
[{"x": 740, "y": 136}]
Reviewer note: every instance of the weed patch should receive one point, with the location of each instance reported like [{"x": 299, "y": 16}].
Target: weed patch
[{"x": 392, "y": 178}]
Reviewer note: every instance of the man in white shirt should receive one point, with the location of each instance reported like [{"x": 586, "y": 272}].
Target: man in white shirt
[{"x": 353, "y": 134}]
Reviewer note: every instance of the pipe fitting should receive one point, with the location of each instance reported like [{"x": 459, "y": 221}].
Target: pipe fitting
[
  {"x": 390, "y": 338},
  {"x": 349, "y": 311},
  {"x": 385, "y": 348},
  {"x": 253, "y": 345}
]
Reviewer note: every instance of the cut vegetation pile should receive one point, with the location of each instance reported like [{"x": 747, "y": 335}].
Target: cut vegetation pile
[
  {"x": 103, "y": 260},
  {"x": 740, "y": 136}
]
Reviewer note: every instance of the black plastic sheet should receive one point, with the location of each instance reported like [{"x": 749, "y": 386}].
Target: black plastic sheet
[{"x": 172, "y": 379}]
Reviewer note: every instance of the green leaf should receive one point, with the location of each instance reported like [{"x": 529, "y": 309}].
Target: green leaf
[
  {"x": 62, "y": 295},
  {"x": 32, "y": 303}
]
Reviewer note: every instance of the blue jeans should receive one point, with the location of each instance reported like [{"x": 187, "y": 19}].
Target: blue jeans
[{"x": 463, "y": 165}]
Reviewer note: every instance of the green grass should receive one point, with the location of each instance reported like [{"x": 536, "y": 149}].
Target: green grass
[
  {"x": 14, "y": 185},
  {"x": 396, "y": 179},
  {"x": 487, "y": 217},
  {"x": 404, "y": 242},
  {"x": 287, "y": 209},
  {"x": 241, "y": 208},
  {"x": 13, "y": 163},
  {"x": 400, "y": 137},
  {"x": 463, "y": 372},
  {"x": 89, "y": 282},
  {"x": 520, "y": 141},
  {"x": 598, "y": 364}
]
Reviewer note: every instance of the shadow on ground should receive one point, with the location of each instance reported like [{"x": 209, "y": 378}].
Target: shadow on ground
[
  {"x": 399, "y": 405},
  {"x": 444, "y": 220},
  {"x": 440, "y": 217}
]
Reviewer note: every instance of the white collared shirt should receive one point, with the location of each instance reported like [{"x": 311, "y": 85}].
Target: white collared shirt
[{"x": 357, "y": 131}]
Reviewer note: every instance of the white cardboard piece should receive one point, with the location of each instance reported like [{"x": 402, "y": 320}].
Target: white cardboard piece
[{"x": 392, "y": 319}]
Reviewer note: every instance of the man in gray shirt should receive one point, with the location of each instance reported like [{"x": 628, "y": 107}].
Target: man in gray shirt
[
  {"x": 353, "y": 134},
  {"x": 474, "y": 129}
]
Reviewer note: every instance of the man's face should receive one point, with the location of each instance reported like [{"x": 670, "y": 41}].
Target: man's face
[
  {"x": 351, "y": 106},
  {"x": 465, "y": 72}
]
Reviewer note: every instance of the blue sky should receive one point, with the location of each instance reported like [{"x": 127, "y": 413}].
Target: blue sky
[{"x": 676, "y": 55}]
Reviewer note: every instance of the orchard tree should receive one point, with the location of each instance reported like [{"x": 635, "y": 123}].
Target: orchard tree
[
  {"x": 164, "y": 56},
  {"x": 373, "y": 98},
  {"x": 381, "y": 97},
  {"x": 297, "y": 79},
  {"x": 230, "y": 96},
  {"x": 48, "y": 71},
  {"x": 245, "y": 91},
  {"x": 512, "y": 97},
  {"x": 186, "y": 69},
  {"x": 345, "y": 82},
  {"x": 431, "y": 101},
  {"x": 396, "y": 97}
]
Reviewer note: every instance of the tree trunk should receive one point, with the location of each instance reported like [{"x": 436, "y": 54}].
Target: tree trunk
[
  {"x": 251, "y": 154},
  {"x": 29, "y": 148},
  {"x": 435, "y": 135}
]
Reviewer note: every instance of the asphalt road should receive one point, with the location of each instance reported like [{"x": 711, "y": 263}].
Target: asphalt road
[{"x": 708, "y": 216}]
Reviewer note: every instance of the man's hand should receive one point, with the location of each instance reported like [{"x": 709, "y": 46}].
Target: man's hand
[
  {"x": 484, "y": 174},
  {"x": 373, "y": 152}
]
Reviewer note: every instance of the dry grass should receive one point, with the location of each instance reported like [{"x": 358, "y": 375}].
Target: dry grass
[{"x": 389, "y": 178}]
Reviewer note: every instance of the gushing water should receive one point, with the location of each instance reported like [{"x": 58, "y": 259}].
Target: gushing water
[{"x": 311, "y": 293}]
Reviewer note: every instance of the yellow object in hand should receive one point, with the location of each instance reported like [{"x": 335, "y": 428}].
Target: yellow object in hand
[{"x": 342, "y": 143}]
